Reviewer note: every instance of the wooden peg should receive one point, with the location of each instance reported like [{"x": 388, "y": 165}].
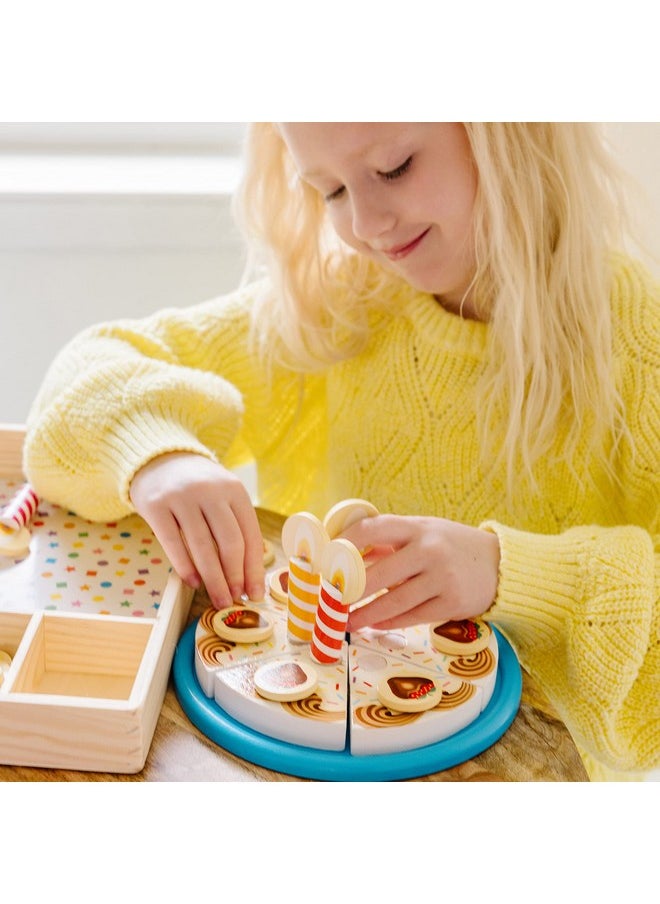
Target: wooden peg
[
  {"x": 304, "y": 537},
  {"x": 345, "y": 513}
]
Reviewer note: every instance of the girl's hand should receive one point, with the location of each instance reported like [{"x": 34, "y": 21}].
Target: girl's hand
[
  {"x": 435, "y": 570},
  {"x": 204, "y": 519}
]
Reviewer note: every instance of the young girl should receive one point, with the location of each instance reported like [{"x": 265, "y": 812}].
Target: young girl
[{"x": 444, "y": 328}]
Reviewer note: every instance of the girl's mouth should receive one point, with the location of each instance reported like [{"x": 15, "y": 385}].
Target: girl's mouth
[{"x": 401, "y": 251}]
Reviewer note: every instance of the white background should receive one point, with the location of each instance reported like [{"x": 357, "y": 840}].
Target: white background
[{"x": 202, "y": 60}]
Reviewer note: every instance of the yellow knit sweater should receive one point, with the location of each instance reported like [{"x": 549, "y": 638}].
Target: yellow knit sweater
[{"x": 397, "y": 424}]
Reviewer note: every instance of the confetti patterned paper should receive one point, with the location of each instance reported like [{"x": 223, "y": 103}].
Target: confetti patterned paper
[{"x": 117, "y": 568}]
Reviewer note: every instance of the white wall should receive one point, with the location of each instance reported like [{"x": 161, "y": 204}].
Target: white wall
[
  {"x": 91, "y": 232},
  {"x": 99, "y": 222},
  {"x": 638, "y": 148}
]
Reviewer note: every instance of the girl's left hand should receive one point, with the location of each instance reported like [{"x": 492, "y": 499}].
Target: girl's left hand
[{"x": 436, "y": 570}]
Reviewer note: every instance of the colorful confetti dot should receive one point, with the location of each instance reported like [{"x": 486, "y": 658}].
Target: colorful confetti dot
[{"x": 104, "y": 556}]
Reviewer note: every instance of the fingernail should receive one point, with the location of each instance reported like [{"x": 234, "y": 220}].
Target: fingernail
[
  {"x": 221, "y": 602},
  {"x": 256, "y": 592}
]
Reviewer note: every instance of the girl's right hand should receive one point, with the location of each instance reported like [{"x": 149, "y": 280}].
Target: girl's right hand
[{"x": 204, "y": 519}]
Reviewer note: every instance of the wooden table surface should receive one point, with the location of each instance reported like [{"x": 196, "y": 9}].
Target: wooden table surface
[{"x": 536, "y": 747}]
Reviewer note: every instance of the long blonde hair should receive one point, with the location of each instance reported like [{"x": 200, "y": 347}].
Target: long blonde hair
[{"x": 548, "y": 212}]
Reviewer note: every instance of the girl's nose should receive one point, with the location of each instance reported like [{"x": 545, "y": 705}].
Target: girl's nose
[{"x": 372, "y": 217}]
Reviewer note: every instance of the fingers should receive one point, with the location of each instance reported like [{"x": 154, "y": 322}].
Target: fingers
[
  {"x": 239, "y": 551},
  {"x": 168, "y": 534},
  {"x": 204, "y": 519},
  {"x": 225, "y": 545},
  {"x": 219, "y": 579},
  {"x": 385, "y": 541},
  {"x": 436, "y": 570},
  {"x": 380, "y": 530},
  {"x": 398, "y": 608}
]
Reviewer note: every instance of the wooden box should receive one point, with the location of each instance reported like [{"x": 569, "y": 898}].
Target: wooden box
[{"x": 90, "y": 656}]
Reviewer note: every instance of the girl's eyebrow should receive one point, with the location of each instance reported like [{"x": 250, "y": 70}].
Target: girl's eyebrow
[{"x": 320, "y": 173}]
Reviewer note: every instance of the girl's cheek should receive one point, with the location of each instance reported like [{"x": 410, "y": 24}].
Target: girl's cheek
[{"x": 340, "y": 226}]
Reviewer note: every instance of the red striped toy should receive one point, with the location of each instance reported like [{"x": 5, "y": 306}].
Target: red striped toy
[
  {"x": 20, "y": 509},
  {"x": 343, "y": 579}
]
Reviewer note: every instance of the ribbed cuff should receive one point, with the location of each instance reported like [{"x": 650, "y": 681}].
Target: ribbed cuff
[
  {"x": 537, "y": 585},
  {"x": 134, "y": 444}
]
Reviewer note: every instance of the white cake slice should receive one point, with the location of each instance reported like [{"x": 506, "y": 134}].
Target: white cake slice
[
  {"x": 318, "y": 720},
  {"x": 214, "y": 653},
  {"x": 377, "y": 727}
]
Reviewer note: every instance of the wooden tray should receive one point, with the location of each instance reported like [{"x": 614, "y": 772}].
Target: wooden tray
[{"x": 91, "y": 656}]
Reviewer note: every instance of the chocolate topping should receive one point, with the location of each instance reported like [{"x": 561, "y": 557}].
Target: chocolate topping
[
  {"x": 409, "y": 687},
  {"x": 465, "y": 631},
  {"x": 244, "y": 618}
]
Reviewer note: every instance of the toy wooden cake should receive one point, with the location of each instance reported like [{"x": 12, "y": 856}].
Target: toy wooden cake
[
  {"x": 90, "y": 615},
  {"x": 285, "y": 667}
]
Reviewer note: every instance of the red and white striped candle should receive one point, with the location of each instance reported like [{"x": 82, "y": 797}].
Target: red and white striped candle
[
  {"x": 19, "y": 510},
  {"x": 330, "y": 625}
]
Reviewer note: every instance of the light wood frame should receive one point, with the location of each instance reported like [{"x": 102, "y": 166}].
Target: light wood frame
[{"x": 84, "y": 691}]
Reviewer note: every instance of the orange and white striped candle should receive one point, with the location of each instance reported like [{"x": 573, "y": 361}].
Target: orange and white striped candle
[
  {"x": 19, "y": 510},
  {"x": 303, "y": 599},
  {"x": 330, "y": 625}
]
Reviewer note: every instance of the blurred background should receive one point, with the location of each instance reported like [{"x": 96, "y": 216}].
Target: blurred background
[{"x": 106, "y": 220}]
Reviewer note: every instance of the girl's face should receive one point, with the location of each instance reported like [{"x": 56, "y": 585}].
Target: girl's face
[{"x": 401, "y": 193}]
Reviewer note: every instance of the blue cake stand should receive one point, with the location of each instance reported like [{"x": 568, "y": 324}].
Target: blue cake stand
[{"x": 342, "y": 766}]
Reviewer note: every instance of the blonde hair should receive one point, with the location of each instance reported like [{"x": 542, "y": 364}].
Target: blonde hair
[{"x": 548, "y": 212}]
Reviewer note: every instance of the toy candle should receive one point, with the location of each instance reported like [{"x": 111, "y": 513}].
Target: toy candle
[
  {"x": 20, "y": 509},
  {"x": 303, "y": 541},
  {"x": 302, "y": 600},
  {"x": 343, "y": 579},
  {"x": 330, "y": 624}
]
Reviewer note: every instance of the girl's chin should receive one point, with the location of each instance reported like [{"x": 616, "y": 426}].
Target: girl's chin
[
  {"x": 451, "y": 295},
  {"x": 448, "y": 293}
]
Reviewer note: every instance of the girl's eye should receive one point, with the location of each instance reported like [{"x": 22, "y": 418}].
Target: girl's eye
[
  {"x": 399, "y": 171},
  {"x": 337, "y": 193},
  {"x": 388, "y": 176}
]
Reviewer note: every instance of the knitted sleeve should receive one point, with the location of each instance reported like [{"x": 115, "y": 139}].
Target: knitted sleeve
[
  {"x": 583, "y": 612},
  {"x": 122, "y": 393},
  {"x": 583, "y": 608}
]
